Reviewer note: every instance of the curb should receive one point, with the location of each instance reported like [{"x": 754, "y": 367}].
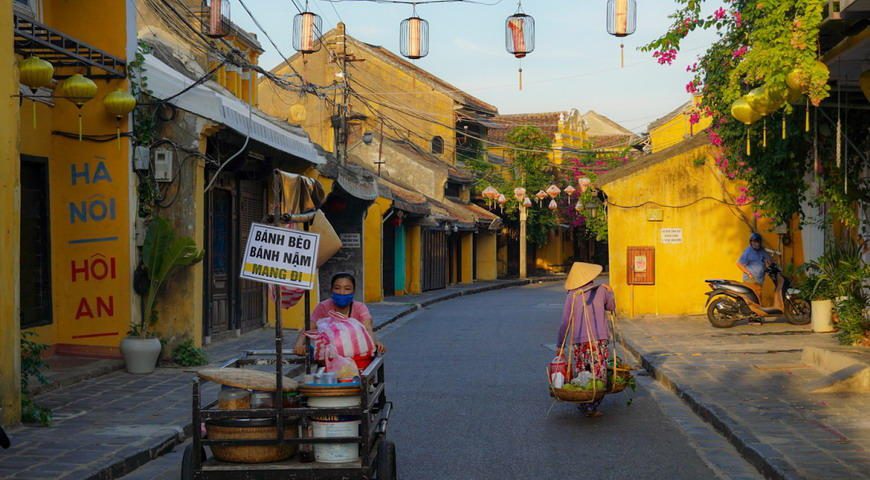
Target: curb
[
  {"x": 142, "y": 457},
  {"x": 758, "y": 454}
]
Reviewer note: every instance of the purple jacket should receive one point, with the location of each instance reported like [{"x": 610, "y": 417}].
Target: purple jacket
[{"x": 597, "y": 302}]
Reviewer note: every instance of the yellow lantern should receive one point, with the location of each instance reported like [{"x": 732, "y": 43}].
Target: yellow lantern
[
  {"x": 764, "y": 101},
  {"x": 795, "y": 80},
  {"x": 119, "y": 103},
  {"x": 742, "y": 111},
  {"x": 78, "y": 89},
  {"x": 35, "y": 73},
  {"x": 864, "y": 81}
]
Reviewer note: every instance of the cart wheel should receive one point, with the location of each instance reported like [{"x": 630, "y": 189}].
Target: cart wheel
[
  {"x": 187, "y": 463},
  {"x": 387, "y": 461}
]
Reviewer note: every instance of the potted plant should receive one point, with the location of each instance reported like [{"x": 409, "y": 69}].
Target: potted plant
[
  {"x": 817, "y": 289},
  {"x": 162, "y": 255}
]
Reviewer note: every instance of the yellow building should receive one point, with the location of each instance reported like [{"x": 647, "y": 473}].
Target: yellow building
[
  {"x": 412, "y": 130},
  {"x": 674, "y": 221}
]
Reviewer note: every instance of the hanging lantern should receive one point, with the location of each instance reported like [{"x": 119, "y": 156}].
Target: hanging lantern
[
  {"x": 414, "y": 37},
  {"x": 119, "y": 103},
  {"x": 35, "y": 73},
  {"x": 569, "y": 190},
  {"x": 584, "y": 183},
  {"x": 215, "y": 21},
  {"x": 490, "y": 194},
  {"x": 78, "y": 90},
  {"x": 501, "y": 201},
  {"x": 621, "y": 22},
  {"x": 742, "y": 111},
  {"x": 553, "y": 205},
  {"x": 541, "y": 195},
  {"x": 520, "y": 36},
  {"x": 553, "y": 191},
  {"x": 519, "y": 193},
  {"x": 306, "y": 32},
  {"x": 527, "y": 202}
]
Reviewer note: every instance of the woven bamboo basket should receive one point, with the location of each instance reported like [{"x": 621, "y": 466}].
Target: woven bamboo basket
[
  {"x": 236, "y": 430},
  {"x": 623, "y": 375},
  {"x": 577, "y": 396}
]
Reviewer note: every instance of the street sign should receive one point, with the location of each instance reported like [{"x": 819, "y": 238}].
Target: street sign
[
  {"x": 281, "y": 256},
  {"x": 672, "y": 236}
]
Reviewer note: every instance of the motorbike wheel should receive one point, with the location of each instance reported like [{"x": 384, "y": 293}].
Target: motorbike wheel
[
  {"x": 719, "y": 318},
  {"x": 798, "y": 311}
]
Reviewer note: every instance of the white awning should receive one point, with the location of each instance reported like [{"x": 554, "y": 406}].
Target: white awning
[{"x": 206, "y": 102}]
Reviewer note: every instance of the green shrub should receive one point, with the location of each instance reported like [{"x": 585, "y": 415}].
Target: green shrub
[
  {"x": 188, "y": 355},
  {"x": 32, "y": 366}
]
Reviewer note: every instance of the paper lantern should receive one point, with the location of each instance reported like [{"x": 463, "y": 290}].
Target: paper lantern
[
  {"x": 621, "y": 17},
  {"x": 490, "y": 193},
  {"x": 520, "y": 36},
  {"x": 35, "y": 73},
  {"x": 553, "y": 191},
  {"x": 501, "y": 201},
  {"x": 584, "y": 183},
  {"x": 743, "y": 112},
  {"x": 306, "y": 32},
  {"x": 414, "y": 37},
  {"x": 553, "y": 205},
  {"x": 864, "y": 82},
  {"x": 78, "y": 89},
  {"x": 215, "y": 20},
  {"x": 541, "y": 195},
  {"x": 764, "y": 100},
  {"x": 119, "y": 103},
  {"x": 569, "y": 190},
  {"x": 527, "y": 202},
  {"x": 519, "y": 193}
]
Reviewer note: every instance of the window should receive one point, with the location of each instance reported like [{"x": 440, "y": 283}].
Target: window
[
  {"x": 453, "y": 190},
  {"x": 29, "y": 8},
  {"x": 437, "y": 145}
]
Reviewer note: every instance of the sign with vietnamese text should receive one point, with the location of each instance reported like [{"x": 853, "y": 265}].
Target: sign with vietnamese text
[
  {"x": 351, "y": 240},
  {"x": 281, "y": 256},
  {"x": 672, "y": 236}
]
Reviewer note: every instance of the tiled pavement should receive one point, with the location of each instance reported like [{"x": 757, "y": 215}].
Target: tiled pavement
[
  {"x": 750, "y": 384},
  {"x": 107, "y": 426}
]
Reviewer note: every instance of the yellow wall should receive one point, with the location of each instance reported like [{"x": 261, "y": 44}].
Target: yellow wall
[
  {"x": 10, "y": 400},
  {"x": 714, "y": 234},
  {"x": 487, "y": 266},
  {"x": 467, "y": 257},
  {"x": 413, "y": 260},
  {"x": 553, "y": 255},
  {"x": 89, "y": 195},
  {"x": 372, "y": 244},
  {"x": 677, "y": 128}
]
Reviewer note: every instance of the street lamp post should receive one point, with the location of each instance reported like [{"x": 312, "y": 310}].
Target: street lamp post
[{"x": 524, "y": 216}]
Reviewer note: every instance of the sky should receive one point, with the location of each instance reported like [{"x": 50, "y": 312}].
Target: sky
[{"x": 575, "y": 63}]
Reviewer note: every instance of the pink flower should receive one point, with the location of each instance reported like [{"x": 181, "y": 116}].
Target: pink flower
[
  {"x": 719, "y": 14},
  {"x": 738, "y": 18},
  {"x": 666, "y": 56},
  {"x": 756, "y": 214},
  {"x": 694, "y": 118},
  {"x": 691, "y": 87},
  {"x": 715, "y": 139},
  {"x": 739, "y": 52}
]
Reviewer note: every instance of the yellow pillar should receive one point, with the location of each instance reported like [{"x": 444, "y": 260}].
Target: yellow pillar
[
  {"x": 467, "y": 245},
  {"x": 487, "y": 261},
  {"x": 414, "y": 260},
  {"x": 372, "y": 245},
  {"x": 10, "y": 215}
]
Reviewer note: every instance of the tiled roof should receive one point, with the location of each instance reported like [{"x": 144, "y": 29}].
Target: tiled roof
[
  {"x": 548, "y": 122},
  {"x": 647, "y": 161}
]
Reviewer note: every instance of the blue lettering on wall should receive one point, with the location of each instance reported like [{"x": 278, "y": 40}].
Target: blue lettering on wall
[
  {"x": 92, "y": 210},
  {"x": 101, "y": 173}
]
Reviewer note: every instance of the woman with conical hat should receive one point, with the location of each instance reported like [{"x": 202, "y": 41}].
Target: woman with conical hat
[{"x": 585, "y": 311}]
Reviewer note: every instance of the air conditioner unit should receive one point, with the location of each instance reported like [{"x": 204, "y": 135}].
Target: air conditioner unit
[{"x": 163, "y": 165}]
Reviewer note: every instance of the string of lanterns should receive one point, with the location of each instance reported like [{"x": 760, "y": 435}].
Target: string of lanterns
[
  {"x": 36, "y": 73},
  {"x": 495, "y": 199},
  {"x": 763, "y": 101}
]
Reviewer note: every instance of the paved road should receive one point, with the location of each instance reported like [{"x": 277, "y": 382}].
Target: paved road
[{"x": 469, "y": 382}]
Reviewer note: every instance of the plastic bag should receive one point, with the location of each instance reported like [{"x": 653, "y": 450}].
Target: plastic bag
[{"x": 342, "y": 366}]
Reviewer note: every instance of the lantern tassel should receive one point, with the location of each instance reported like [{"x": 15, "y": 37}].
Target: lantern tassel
[
  {"x": 783, "y": 125},
  {"x": 748, "y": 145},
  {"x": 521, "y": 78},
  {"x": 80, "y": 126},
  {"x": 33, "y": 102},
  {"x": 808, "y": 116},
  {"x": 621, "y": 55},
  {"x": 764, "y": 135}
]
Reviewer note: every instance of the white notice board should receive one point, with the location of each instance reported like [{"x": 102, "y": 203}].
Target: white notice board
[
  {"x": 281, "y": 256},
  {"x": 672, "y": 236}
]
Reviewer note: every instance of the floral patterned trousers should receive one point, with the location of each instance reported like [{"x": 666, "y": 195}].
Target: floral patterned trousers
[{"x": 592, "y": 357}]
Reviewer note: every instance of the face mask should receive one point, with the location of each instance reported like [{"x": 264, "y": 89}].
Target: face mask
[{"x": 342, "y": 301}]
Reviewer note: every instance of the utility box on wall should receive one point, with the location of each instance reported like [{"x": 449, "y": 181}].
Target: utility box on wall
[{"x": 641, "y": 266}]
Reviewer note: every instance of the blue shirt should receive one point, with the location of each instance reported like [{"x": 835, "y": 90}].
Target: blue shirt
[{"x": 754, "y": 260}]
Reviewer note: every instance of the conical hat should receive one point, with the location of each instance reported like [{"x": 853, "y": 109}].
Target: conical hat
[{"x": 581, "y": 274}]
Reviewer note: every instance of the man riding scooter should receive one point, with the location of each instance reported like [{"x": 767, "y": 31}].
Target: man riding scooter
[
  {"x": 730, "y": 301},
  {"x": 753, "y": 263}
]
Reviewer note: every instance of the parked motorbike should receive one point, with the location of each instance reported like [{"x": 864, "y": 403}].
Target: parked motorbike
[{"x": 730, "y": 301}]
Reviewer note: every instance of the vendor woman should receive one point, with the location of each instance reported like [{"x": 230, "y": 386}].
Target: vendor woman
[
  {"x": 586, "y": 309},
  {"x": 343, "y": 324}
]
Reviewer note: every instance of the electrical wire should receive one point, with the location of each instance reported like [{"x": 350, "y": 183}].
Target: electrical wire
[
  {"x": 686, "y": 205},
  {"x": 244, "y": 146}
]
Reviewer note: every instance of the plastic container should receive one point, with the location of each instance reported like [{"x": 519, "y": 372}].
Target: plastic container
[
  {"x": 231, "y": 398},
  {"x": 334, "y": 427}
]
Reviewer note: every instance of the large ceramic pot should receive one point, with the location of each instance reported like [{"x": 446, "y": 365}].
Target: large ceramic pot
[
  {"x": 140, "y": 354},
  {"x": 822, "y": 321}
]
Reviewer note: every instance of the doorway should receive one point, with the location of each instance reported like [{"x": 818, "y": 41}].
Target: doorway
[{"x": 35, "y": 258}]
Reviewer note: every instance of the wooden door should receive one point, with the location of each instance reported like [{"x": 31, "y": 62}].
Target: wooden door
[
  {"x": 220, "y": 262},
  {"x": 252, "y": 208}
]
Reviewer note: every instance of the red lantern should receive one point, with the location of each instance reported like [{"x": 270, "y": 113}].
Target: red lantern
[
  {"x": 215, "y": 18},
  {"x": 414, "y": 37},
  {"x": 306, "y": 32},
  {"x": 520, "y": 36}
]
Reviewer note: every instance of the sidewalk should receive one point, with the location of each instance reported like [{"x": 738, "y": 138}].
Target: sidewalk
[
  {"x": 752, "y": 385},
  {"x": 108, "y": 426}
]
